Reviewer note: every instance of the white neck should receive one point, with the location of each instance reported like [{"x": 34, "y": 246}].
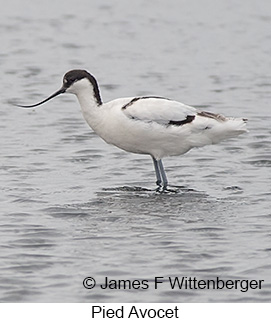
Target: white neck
[
  {"x": 90, "y": 106},
  {"x": 87, "y": 99}
]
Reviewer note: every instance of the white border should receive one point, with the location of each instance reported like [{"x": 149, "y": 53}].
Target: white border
[{"x": 81, "y": 313}]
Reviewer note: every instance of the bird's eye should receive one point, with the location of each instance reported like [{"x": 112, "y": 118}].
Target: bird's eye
[{"x": 69, "y": 81}]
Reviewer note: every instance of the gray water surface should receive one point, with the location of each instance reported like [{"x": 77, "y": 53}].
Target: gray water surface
[{"x": 73, "y": 207}]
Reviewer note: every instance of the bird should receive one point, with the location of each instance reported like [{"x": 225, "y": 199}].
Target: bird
[{"x": 149, "y": 125}]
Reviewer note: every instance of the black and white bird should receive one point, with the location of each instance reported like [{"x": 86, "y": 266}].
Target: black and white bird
[{"x": 150, "y": 125}]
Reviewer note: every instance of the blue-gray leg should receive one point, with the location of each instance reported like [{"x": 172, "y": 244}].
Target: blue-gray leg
[
  {"x": 160, "y": 173},
  {"x": 157, "y": 172},
  {"x": 163, "y": 174}
]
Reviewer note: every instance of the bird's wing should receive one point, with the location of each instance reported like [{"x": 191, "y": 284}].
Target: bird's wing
[{"x": 159, "y": 110}]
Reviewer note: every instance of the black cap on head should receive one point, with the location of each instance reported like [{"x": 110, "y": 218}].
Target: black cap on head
[{"x": 76, "y": 75}]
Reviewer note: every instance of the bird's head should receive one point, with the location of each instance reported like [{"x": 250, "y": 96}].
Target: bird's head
[{"x": 74, "y": 82}]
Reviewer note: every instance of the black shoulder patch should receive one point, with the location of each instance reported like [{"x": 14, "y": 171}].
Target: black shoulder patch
[{"x": 182, "y": 122}]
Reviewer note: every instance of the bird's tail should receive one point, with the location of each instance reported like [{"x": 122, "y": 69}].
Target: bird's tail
[{"x": 230, "y": 128}]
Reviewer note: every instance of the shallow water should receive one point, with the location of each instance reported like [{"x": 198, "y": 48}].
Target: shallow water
[{"x": 73, "y": 207}]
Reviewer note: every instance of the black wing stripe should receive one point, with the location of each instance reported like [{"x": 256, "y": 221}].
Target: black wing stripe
[
  {"x": 182, "y": 122},
  {"x": 142, "y": 98}
]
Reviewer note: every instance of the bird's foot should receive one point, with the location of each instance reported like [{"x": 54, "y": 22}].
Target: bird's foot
[
  {"x": 159, "y": 183},
  {"x": 166, "y": 189}
]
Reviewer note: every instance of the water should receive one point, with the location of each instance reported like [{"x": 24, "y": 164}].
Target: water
[{"x": 73, "y": 207}]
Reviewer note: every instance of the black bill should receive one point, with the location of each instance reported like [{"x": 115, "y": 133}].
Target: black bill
[{"x": 62, "y": 90}]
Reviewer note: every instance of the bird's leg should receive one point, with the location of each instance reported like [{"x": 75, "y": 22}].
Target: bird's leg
[
  {"x": 163, "y": 174},
  {"x": 157, "y": 172}
]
